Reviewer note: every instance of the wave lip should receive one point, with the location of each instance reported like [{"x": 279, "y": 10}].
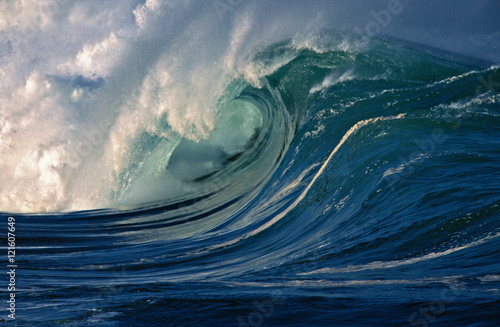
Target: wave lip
[{"x": 286, "y": 185}]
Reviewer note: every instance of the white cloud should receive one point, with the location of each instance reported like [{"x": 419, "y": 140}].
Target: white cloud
[
  {"x": 96, "y": 60},
  {"x": 145, "y": 11}
]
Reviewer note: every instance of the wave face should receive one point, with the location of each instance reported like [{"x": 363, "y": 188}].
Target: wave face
[{"x": 166, "y": 175}]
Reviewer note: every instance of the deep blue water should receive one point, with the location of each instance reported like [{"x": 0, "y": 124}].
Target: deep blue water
[{"x": 369, "y": 195}]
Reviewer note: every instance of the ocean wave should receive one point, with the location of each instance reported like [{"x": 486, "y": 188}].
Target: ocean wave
[{"x": 180, "y": 161}]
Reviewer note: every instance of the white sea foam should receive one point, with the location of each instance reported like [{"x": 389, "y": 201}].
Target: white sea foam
[
  {"x": 377, "y": 265},
  {"x": 331, "y": 80},
  {"x": 276, "y": 218},
  {"x": 347, "y": 283},
  {"x": 79, "y": 81}
]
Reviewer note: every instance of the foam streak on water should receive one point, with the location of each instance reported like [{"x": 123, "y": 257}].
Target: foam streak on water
[{"x": 251, "y": 163}]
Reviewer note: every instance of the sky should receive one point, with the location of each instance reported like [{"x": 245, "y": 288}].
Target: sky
[{"x": 80, "y": 79}]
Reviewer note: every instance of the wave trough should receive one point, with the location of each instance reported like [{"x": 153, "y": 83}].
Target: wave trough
[{"x": 164, "y": 174}]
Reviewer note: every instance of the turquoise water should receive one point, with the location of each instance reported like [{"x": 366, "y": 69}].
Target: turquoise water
[{"x": 354, "y": 182}]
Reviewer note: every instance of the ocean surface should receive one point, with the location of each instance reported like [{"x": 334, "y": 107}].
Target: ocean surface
[{"x": 192, "y": 175}]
